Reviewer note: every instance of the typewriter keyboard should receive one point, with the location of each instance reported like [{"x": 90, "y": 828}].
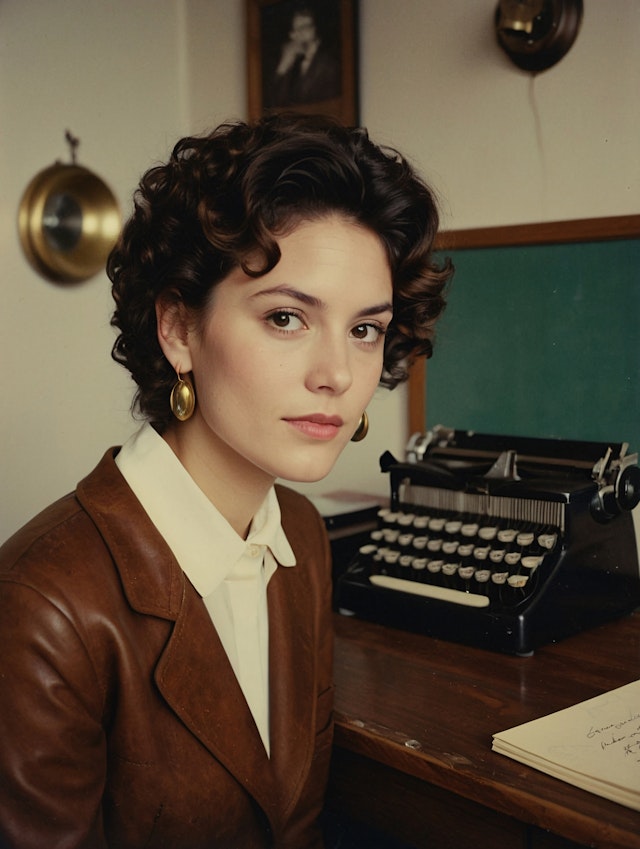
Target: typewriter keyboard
[{"x": 469, "y": 560}]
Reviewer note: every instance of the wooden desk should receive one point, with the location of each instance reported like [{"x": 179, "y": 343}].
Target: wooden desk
[{"x": 414, "y": 720}]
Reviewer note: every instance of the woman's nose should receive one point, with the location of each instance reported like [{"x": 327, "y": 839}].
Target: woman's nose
[{"x": 329, "y": 367}]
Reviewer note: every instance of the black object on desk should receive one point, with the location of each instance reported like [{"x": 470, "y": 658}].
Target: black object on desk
[{"x": 505, "y": 543}]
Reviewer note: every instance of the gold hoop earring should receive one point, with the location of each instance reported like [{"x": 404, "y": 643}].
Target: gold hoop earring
[
  {"x": 362, "y": 429},
  {"x": 183, "y": 399}
]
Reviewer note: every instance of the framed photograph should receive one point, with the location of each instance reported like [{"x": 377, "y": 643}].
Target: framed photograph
[{"x": 302, "y": 57}]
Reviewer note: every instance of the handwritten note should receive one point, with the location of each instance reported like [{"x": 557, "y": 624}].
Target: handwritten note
[{"x": 594, "y": 744}]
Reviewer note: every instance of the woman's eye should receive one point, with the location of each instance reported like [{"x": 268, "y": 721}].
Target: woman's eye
[
  {"x": 285, "y": 320},
  {"x": 368, "y": 332}
]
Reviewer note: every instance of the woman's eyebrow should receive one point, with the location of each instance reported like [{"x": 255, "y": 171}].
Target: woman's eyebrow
[
  {"x": 376, "y": 309},
  {"x": 296, "y": 294},
  {"x": 312, "y": 301}
]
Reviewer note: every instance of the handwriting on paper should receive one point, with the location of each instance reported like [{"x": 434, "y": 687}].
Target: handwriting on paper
[{"x": 624, "y": 734}]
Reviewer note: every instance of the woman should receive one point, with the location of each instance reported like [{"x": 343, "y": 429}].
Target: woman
[{"x": 166, "y": 670}]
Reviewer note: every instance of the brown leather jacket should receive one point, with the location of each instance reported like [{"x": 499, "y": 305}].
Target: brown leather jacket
[{"x": 121, "y": 722}]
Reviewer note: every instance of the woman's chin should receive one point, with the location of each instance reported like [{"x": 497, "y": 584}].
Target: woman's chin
[{"x": 308, "y": 472}]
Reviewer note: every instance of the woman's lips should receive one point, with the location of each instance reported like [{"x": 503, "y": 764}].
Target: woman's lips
[{"x": 317, "y": 426}]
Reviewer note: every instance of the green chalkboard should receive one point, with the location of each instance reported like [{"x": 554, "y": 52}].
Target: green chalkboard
[{"x": 541, "y": 340}]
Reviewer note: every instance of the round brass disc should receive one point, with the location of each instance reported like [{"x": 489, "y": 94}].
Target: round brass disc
[
  {"x": 68, "y": 222},
  {"x": 535, "y": 34}
]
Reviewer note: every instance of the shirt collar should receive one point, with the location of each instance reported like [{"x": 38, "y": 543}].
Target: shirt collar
[{"x": 203, "y": 542}]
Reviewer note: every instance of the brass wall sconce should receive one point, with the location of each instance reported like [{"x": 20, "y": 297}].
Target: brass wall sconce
[
  {"x": 535, "y": 34},
  {"x": 68, "y": 221}
]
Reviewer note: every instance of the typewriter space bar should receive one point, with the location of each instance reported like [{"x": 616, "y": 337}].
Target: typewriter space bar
[{"x": 429, "y": 591}]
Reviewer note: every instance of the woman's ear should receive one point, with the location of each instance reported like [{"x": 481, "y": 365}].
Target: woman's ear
[{"x": 173, "y": 333}]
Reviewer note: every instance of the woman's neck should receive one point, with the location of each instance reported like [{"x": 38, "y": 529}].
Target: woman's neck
[{"x": 235, "y": 487}]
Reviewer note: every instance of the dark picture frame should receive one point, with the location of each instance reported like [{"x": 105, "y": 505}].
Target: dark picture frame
[{"x": 302, "y": 57}]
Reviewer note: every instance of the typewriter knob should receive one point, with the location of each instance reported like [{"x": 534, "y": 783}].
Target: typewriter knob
[
  {"x": 628, "y": 488},
  {"x": 622, "y": 495}
]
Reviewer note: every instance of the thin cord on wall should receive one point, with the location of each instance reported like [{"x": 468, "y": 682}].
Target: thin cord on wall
[{"x": 537, "y": 123}]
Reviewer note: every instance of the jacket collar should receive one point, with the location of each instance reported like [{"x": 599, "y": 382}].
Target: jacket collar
[
  {"x": 193, "y": 672},
  {"x": 190, "y": 524}
]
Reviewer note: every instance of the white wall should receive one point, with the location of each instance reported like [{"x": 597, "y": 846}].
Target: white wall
[
  {"x": 129, "y": 78},
  {"x": 116, "y": 73},
  {"x": 502, "y": 146}
]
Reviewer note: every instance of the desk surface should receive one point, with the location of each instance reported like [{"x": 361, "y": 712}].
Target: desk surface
[{"x": 428, "y": 709}]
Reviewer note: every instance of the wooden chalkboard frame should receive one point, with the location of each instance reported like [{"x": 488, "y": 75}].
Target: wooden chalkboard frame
[{"x": 545, "y": 233}]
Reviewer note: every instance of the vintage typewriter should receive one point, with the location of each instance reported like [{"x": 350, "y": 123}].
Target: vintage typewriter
[{"x": 500, "y": 542}]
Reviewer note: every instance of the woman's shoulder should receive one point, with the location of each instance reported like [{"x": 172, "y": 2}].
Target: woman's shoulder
[
  {"x": 60, "y": 543},
  {"x": 56, "y": 568},
  {"x": 295, "y": 504},
  {"x": 91, "y": 548},
  {"x": 301, "y": 521},
  {"x": 49, "y": 530}
]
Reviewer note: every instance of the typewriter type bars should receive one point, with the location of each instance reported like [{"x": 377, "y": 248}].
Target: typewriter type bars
[{"x": 471, "y": 550}]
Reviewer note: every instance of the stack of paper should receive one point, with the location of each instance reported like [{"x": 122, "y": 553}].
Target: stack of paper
[{"x": 594, "y": 745}]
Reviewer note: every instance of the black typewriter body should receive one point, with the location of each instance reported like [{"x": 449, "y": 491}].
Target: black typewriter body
[{"x": 500, "y": 542}]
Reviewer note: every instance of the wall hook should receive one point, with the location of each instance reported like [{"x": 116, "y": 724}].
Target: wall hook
[{"x": 73, "y": 142}]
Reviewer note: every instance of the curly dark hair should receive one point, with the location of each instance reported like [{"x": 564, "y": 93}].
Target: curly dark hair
[{"x": 221, "y": 202}]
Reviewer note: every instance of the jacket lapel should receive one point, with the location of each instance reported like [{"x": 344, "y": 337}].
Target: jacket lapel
[
  {"x": 291, "y": 680},
  {"x": 193, "y": 672},
  {"x": 196, "y": 679}
]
